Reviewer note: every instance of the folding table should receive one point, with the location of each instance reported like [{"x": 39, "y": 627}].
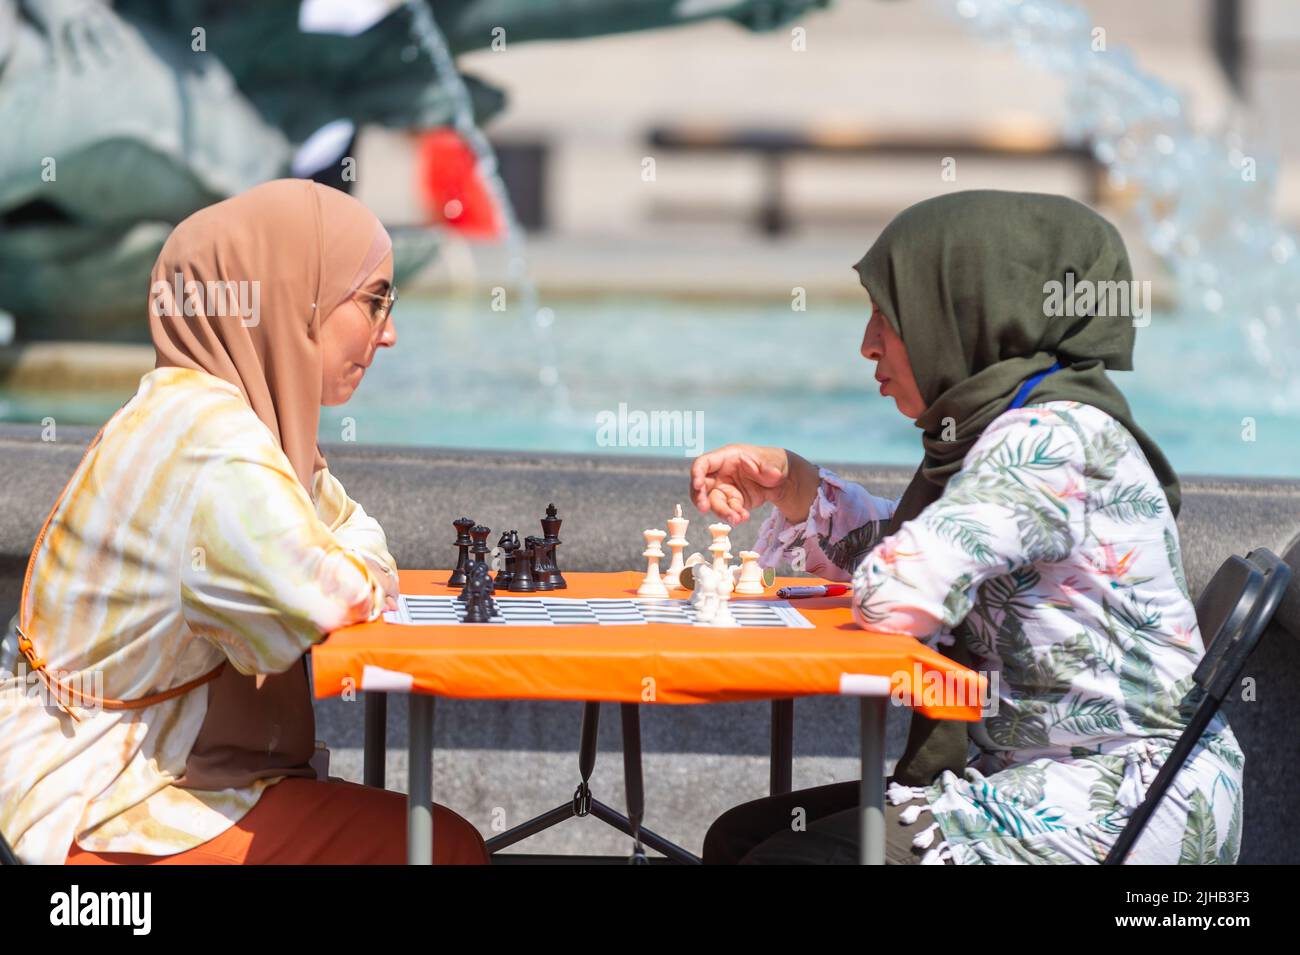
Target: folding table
[{"x": 630, "y": 665}]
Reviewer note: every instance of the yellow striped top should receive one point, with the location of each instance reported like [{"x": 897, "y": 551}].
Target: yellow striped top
[{"x": 184, "y": 536}]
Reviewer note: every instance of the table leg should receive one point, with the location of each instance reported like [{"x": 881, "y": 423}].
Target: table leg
[
  {"x": 632, "y": 781},
  {"x": 780, "y": 766},
  {"x": 419, "y": 801},
  {"x": 587, "y": 756},
  {"x": 871, "y": 841},
  {"x": 376, "y": 740}
]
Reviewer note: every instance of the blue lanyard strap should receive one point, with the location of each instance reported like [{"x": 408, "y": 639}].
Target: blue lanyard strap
[{"x": 1028, "y": 385}]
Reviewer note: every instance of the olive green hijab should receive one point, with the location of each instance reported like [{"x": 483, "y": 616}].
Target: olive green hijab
[{"x": 963, "y": 278}]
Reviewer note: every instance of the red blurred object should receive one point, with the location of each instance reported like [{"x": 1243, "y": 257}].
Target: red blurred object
[{"x": 453, "y": 192}]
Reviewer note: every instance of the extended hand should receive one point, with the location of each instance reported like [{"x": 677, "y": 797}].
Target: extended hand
[{"x": 732, "y": 480}]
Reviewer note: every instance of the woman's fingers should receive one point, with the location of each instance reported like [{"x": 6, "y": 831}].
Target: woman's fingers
[
  {"x": 728, "y": 503},
  {"x": 731, "y": 479},
  {"x": 700, "y": 493},
  {"x": 707, "y": 463},
  {"x": 706, "y": 472},
  {"x": 719, "y": 504},
  {"x": 739, "y": 513}
]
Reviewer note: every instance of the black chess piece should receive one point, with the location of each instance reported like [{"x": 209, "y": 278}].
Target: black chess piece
[
  {"x": 463, "y": 540},
  {"x": 479, "y": 605},
  {"x": 515, "y": 558},
  {"x": 522, "y": 581},
  {"x": 541, "y": 569},
  {"x": 507, "y": 561},
  {"x": 491, "y": 591},
  {"x": 546, "y": 569},
  {"x": 551, "y": 530},
  {"x": 480, "y": 549},
  {"x": 478, "y": 552},
  {"x": 537, "y": 555}
]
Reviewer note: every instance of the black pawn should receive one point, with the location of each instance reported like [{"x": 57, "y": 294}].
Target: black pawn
[
  {"x": 523, "y": 581},
  {"x": 479, "y": 605},
  {"x": 507, "y": 561},
  {"x": 463, "y": 540},
  {"x": 491, "y": 589},
  {"x": 551, "y": 529},
  {"x": 478, "y": 552}
]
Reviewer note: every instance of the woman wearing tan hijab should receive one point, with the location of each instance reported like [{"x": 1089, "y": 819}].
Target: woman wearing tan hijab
[{"x": 198, "y": 551}]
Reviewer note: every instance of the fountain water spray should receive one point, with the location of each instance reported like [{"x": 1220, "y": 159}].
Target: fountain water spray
[
  {"x": 425, "y": 31},
  {"x": 1205, "y": 201}
]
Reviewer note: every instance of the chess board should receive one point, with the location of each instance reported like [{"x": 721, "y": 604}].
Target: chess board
[{"x": 447, "y": 610}]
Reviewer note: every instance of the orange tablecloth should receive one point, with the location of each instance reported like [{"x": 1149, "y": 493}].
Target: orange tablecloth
[{"x": 651, "y": 663}]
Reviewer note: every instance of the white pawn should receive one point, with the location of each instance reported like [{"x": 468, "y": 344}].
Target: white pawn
[
  {"x": 725, "y": 583},
  {"x": 750, "y": 581},
  {"x": 720, "y": 584},
  {"x": 653, "y": 585},
  {"x": 677, "y": 543},
  {"x": 704, "y": 598},
  {"x": 722, "y": 616}
]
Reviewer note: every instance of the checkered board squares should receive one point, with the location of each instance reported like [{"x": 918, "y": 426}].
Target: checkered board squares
[{"x": 445, "y": 610}]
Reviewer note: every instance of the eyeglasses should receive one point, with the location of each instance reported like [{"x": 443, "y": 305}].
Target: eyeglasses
[{"x": 386, "y": 302}]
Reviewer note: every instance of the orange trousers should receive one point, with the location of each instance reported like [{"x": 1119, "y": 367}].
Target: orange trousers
[{"x": 309, "y": 822}]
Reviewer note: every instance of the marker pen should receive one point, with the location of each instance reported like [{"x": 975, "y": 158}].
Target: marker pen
[{"x": 828, "y": 590}]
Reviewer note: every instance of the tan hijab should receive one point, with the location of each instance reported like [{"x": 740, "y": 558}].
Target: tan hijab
[
  {"x": 239, "y": 291},
  {"x": 285, "y": 254}
]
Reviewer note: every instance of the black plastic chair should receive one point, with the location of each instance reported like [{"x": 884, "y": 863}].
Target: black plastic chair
[{"x": 1233, "y": 612}]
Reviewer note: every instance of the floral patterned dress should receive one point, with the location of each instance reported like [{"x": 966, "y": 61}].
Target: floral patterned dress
[{"x": 1055, "y": 545}]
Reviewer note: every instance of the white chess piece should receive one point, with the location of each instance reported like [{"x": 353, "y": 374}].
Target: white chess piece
[
  {"x": 721, "y": 532},
  {"x": 751, "y": 575},
  {"x": 720, "y": 585},
  {"x": 653, "y": 585},
  {"x": 676, "y": 543},
  {"x": 704, "y": 598},
  {"x": 724, "y": 582}
]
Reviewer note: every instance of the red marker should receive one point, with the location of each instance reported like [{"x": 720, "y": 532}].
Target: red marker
[{"x": 828, "y": 590}]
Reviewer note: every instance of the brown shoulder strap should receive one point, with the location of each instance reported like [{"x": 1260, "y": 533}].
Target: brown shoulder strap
[{"x": 67, "y": 696}]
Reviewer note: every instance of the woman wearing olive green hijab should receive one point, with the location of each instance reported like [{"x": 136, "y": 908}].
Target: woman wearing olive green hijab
[{"x": 1036, "y": 541}]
